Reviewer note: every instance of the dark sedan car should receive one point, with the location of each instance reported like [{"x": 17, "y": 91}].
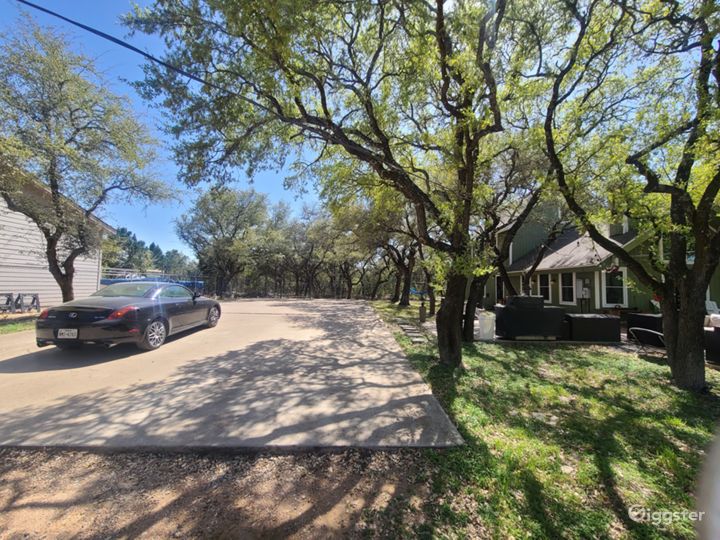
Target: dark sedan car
[{"x": 139, "y": 312}]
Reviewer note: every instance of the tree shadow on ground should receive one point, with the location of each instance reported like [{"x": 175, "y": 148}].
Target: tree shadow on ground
[
  {"x": 51, "y": 358},
  {"x": 347, "y": 386},
  {"x": 624, "y": 417},
  {"x": 159, "y": 495}
]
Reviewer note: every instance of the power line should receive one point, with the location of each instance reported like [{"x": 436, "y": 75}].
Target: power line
[{"x": 126, "y": 45}]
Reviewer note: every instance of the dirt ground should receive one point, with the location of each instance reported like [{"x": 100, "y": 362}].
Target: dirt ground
[{"x": 73, "y": 494}]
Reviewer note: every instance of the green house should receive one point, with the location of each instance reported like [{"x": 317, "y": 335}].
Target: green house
[{"x": 578, "y": 274}]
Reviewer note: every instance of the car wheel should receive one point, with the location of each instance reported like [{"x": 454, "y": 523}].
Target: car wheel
[
  {"x": 213, "y": 316},
  {"x": 68, "y": 346},
  {"x": 154, "y": 336}
]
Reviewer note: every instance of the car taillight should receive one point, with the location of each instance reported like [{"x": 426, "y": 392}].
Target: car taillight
[
  {"x": 44, "y": 314},
  {"x": 122, "y": 312}
]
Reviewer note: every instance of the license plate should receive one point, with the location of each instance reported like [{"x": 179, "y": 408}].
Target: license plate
[{"x": 67, "y": 333}]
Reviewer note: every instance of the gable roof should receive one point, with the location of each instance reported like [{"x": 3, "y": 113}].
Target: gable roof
[
  {"x": 571, "y": 250},
  {"x": 46, "y": 190}
]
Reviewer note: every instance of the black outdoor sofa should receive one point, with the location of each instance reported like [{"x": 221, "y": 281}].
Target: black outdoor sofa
[
  {"x": 527, "y": 317},
  {"x": 647, "y": 330}
]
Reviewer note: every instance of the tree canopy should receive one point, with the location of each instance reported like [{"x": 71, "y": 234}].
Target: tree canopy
[
  {"x": 68, "y": 146},
  {"x": 630, "y": 108},
  {"x": 472, "y": 112},
  {"x": 221, "y": 228}
]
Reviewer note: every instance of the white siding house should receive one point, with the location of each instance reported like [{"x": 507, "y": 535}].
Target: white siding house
[{"x": 24, "y": 269}]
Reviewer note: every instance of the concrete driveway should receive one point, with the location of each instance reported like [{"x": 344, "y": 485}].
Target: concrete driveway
[{"x": 275, "y": 373}]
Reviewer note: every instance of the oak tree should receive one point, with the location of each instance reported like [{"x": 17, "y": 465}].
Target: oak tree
[
  {"x": 404, "y": 87},
  {"x": 68, "y": 146}
]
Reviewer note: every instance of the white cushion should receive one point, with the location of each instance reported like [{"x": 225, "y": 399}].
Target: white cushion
[{"x": 715, "y": 320}]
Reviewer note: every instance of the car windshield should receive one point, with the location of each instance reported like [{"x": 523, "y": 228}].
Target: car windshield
[{"x": 126, "y": 289}]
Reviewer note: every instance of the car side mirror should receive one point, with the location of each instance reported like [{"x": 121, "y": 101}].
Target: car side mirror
[{"x": 196, "y": 295}]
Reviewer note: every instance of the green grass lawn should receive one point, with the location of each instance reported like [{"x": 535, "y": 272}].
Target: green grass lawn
[
  {"x": 8, "y": 326},
  {"x": 395, "y": 313},
  {"x": 561, "y": 440}
]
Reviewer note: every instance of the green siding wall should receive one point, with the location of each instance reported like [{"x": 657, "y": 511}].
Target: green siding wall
[
  {"x": 529, "y": 237},
  {"x": 581, "y": 305},
  {"x": 638, "y": 295},
  {"x": 535, "y": 230}
]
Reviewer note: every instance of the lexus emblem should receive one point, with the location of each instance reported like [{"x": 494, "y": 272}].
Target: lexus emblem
[{"x": 72, "y": 315}]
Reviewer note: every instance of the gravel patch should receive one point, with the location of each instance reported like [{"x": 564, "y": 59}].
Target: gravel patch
[{"x": 74, "y": 494}]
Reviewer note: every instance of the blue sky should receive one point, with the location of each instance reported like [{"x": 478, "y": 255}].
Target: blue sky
[{"x": 153, "y": 223}]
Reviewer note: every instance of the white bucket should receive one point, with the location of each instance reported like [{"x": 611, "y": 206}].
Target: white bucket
[{"x": 485, "y": 325}]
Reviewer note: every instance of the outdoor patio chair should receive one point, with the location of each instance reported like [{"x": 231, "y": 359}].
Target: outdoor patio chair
[
  {"x": 26, "y": 302},
  {"x": 648, "y": 340},
  {"x": 713, "y": 314},
  {"x": 8, "y": 305},
  {"x": 712, "y": 345}
]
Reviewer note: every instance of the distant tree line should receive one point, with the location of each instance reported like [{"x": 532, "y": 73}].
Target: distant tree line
[
  {"x": 124, "y": 250},
  {"x": 246, "y": 247}
]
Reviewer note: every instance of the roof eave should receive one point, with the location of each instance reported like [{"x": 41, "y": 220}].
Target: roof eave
[{"x": 628, "y": 245}]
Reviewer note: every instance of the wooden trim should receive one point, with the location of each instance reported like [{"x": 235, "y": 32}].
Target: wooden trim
[
  {"x": 574, "y": 289},
  {"x": 597, "y": 289},
  {"x": 624, "y": 304},
  {"x": 537, "y": 285}
]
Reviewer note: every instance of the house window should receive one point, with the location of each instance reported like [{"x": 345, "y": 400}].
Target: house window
[
  {"x": 499, "y": 293},
  {"x": 567, "y": 288},
  {"x": 543, "y": 286},
  {"x": 614, "y": 288}
]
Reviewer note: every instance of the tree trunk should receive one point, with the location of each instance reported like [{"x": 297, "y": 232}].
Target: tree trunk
[
  {"x": 398, "y": 282},
  {"x": 526, "y": 280},
  {"x": 65, "y": 282},
  {"x": 333, "y": 285},
  {"x": 66, "y": 287},
  {"x": 349, "y": 282},
  {"x": 219, "y": 284},
  {"x": 449, "y": 321},
  {"x": 63, "y": 279},
  {"x": 407, "y": 283},
  {"x": 509, "y": 287},
  {"x": 430, "y": 293},
  {"x": 477, "y": 286},
  {"x": 376, "y": 287},
  {"x": 683, "y": 328},
  {"x": 407, "y": 280}
]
